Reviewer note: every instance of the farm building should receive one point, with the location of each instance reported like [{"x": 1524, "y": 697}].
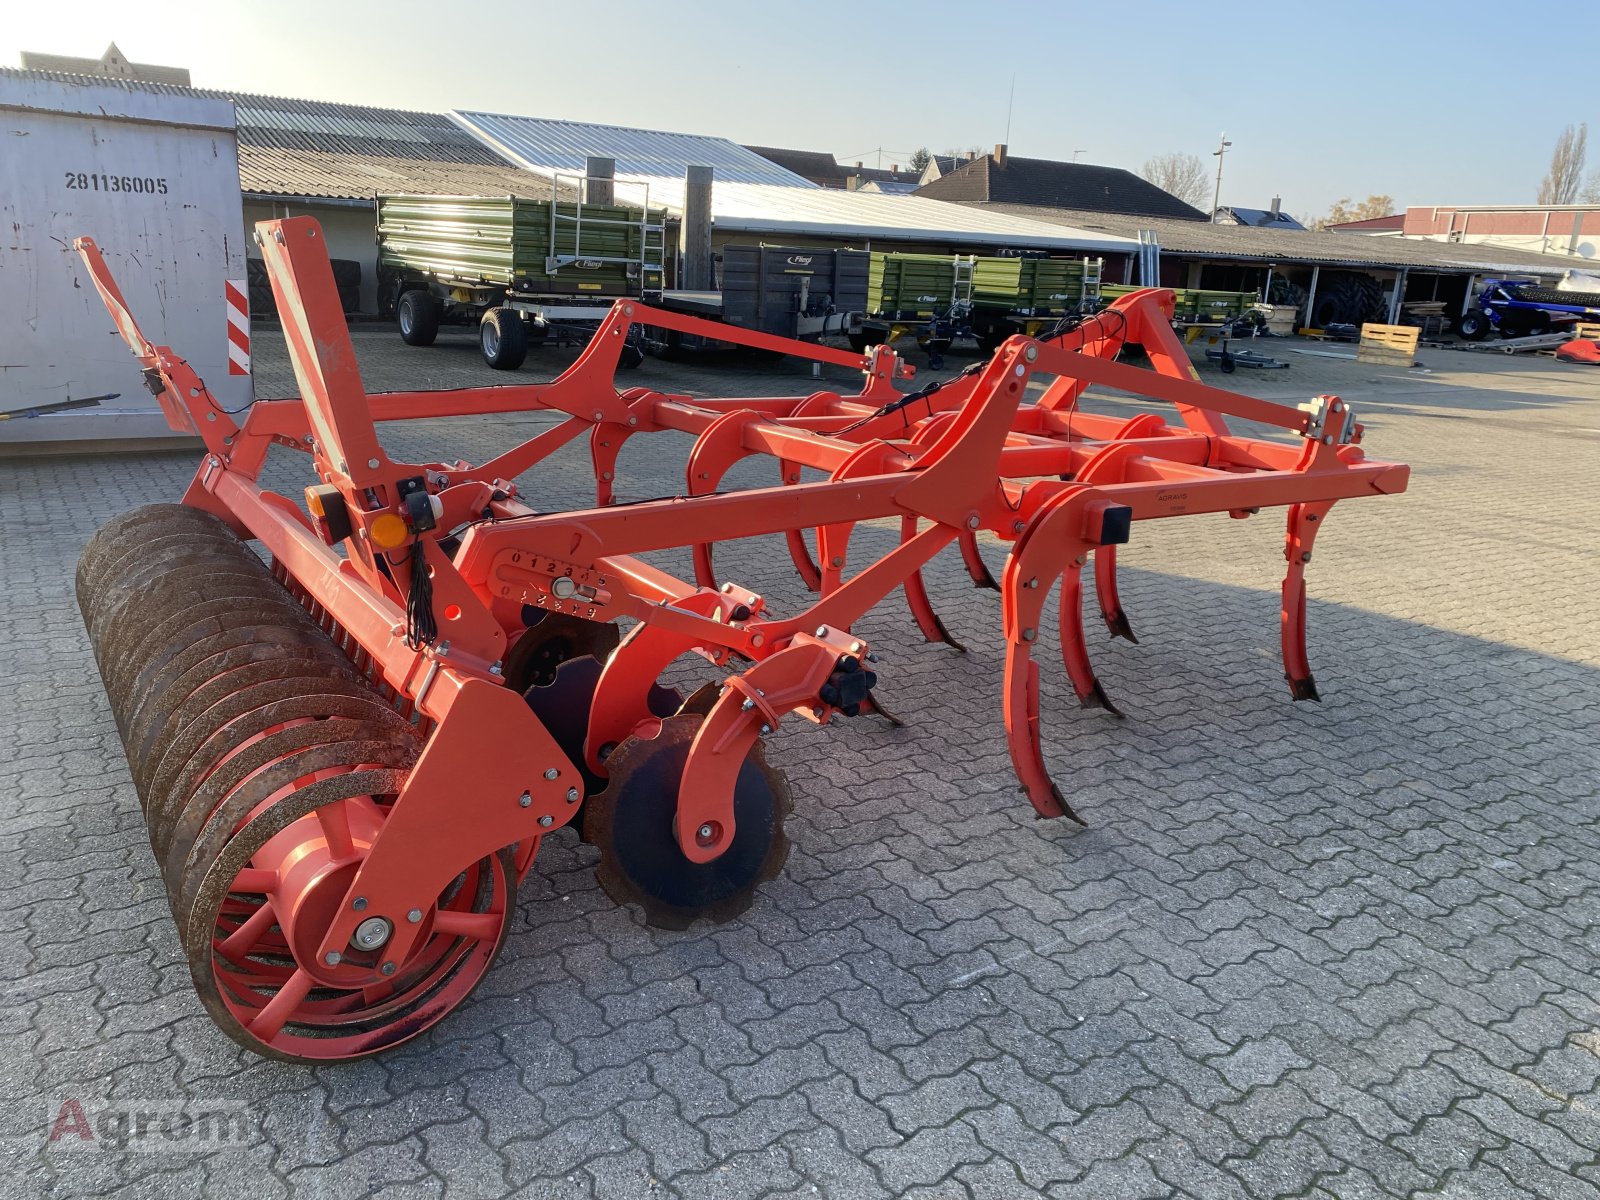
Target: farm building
[{"x": 757, "y": 200}]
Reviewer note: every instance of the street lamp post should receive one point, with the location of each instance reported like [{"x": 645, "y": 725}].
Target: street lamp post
[{"x": 1216, "y": 197}]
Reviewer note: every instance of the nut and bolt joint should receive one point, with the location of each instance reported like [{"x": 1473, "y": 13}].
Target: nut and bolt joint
[
  {"x": 525, "y": 799},
  {"x": 546, "y": 821},
  {"x": 414, "y": 915}
]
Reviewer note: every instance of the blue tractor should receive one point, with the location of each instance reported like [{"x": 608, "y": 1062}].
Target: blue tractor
[{"x": 1524, "y": 307}]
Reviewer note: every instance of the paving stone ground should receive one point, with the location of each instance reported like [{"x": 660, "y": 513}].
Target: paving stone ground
[{"x": 1345, "y": 949}]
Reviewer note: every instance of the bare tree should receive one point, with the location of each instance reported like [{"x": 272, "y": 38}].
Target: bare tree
[
  {"x": 1343, "y": 210},
  {"x": 1591, "y": 190},
  {"x": 1180, "y": 175},
  {"x": 1561, "y": 181}
]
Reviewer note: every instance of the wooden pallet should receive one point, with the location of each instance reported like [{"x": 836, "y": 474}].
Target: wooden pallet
[{"x": 1394, "y": 345}]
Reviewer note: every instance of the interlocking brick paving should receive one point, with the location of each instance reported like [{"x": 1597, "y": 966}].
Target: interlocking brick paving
[{"x": 1345, "y": 949}]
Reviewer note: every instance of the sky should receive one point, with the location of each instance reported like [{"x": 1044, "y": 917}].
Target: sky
[{"x": 1431, "y": 104}]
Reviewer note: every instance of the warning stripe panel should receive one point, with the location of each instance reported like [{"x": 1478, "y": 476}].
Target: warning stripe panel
[{"x": 238, "y": 327}]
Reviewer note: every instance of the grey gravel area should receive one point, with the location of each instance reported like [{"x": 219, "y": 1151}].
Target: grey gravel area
[{"x": 1345, "y": 949}]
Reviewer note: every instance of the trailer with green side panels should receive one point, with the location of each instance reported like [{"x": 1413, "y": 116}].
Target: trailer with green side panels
[
  {"x": 1195, "y": 306},
  {"x": 519, "y": 267},
  {"x": 988, "y": 298}
]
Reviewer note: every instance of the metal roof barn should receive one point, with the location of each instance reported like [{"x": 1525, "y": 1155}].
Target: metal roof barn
[
  {"x": 752, "y": 195},
  {"x": 1249, "y": 243},
  {"x": 551, "y": 146},
  {"x": 757, "y": 208}
]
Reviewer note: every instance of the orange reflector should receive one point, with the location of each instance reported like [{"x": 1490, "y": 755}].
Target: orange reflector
[
  {"x": 387, "y": 531},
  {"x": 314, "y": 503}
]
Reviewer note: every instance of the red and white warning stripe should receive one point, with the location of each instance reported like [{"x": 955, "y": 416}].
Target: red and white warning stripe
[{"x": 238, "y": 328}]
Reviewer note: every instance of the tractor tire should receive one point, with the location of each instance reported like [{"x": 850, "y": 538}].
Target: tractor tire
[
  {"x": 503, "y": 338},
  {"x": 631, "y": 357},
  {"x": 418, "y": 317},
  {"x": 1284, "y": 292},
  {"x": 346, "y": 272},
  {"x": 1347, "y": 298},
  {"x": 1473, "y": 325}
]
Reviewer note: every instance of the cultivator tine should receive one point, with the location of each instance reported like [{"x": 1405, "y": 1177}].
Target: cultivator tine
[
  {"x": 977, "y": 569},
  {"x": 1075, "y": 647},
  {"x": 1107, "y": 595},
  {"x": 1304, "y": 522},
  {"x": 933, "y": 629},
  {"x": 1022, "y": 734},
  {"x": 875, "y": 706},
  {"x": 805, "y": 566},
  {"x": 799, "y": 553}
]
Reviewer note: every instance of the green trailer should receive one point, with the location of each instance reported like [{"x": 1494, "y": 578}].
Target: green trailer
[
  {"x": 909, "y": 287},
  {"x": 1196, "y": 306},
  {"x": 1035, "y": 287},
  {"x": 942, "y": 297},
  {"x": 518, "y": 267},
  {"x": 1024, "y": 295}
]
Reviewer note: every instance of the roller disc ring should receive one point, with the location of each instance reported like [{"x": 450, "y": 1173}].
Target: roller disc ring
[
  {"x": 263, "y": 628},
  {"x": 170, "y": 717},
  {"x": 300, "y": 1014},
  {"x": 140, "y": 652},
  {"x": 247, "y": 743},
  {"x": 254, "y": 744},
  {"x": 121, "y": 579},
  {"x": 119, "y": 539},
  {"x": 632, "y": 824}
]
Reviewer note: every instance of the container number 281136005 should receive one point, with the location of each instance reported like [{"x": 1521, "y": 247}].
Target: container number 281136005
[{"x": 88, "y": 182}]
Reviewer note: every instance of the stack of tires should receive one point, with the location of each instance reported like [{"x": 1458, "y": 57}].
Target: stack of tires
[
  {"x": 1347, "y": 298},
  {"x": 346, "y": 277}
]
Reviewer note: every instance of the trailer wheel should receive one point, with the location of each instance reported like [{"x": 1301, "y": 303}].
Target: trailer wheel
[
  {"x": 631, "y": 357},
  {"x": 418, "y": 315},
  {"x": 1473, "y": 325},
  {"x": 503, "y": 338}
]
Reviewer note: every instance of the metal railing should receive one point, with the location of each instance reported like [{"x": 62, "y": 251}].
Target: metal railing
[{"x": 555, "y": 260}]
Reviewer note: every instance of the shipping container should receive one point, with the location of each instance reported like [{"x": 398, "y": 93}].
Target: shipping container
[{"x": 152, "y": 175}]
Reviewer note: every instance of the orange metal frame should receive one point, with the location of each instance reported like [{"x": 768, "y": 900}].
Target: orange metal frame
[{"x": 985, "y": 453}]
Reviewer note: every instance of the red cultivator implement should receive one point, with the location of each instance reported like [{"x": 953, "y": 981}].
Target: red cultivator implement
[{"x": 347, "y": 760}]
